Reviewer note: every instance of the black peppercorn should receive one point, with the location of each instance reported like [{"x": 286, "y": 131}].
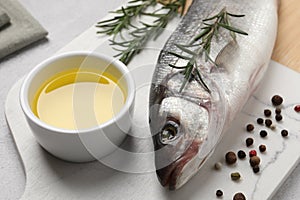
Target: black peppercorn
[
  {"x": 277, "y": 100},
  {"x": 267, "y": 112},
  {"x": 239, "y": 196},
  {"x": 262, "y": 148},
  {"x": 278, "y": 117},
  {"x": 249, "y": 141},
  {"x": 263, "y": 133},
  {"x": 256, "y": 169},
  {"x": 250, "y": 127},
  {"x": 230, "y": 158},
  {"x": 219, "y": 193},
  {"x": 268, "y": 122},
  {"x": 284, "y": 133},
  {"x": 278, "y": 111},
  {"x": 260, "y": 121},
  {"x": 241, "y": 154}
]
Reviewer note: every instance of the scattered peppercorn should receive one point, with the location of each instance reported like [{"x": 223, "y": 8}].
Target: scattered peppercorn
[
  {"x": 252, "y": 153},
  {"x": 255, "y": 169},
  {"x": 235, "y": 176},
  {"x": 219, "y": 193},
  {"x": 218, "y": 166},
  {"x": 278, "y": 117},
  {"x": 254, "y": 160},
  {"x": 239, "y": 196},
  {"x": 250, "y": 127},
  {"x": 278, "y": 111},
  {"x": 263, "y": 133},
  {"x": 277, "y": 100},
  {"x": 241, "y": 154},
  {"x": 262, "y": 148},
  {"x": 297, "y": 108},
  {"x": 268, "y": 122},
  {"x": 249, "y": 141},
  {"x": 273, "y": 127},
  {"x": 260, "y": 121},
  {"x": 267, "y": 112},
  {"x": 284, "y": 133},
  {"x": 230, "y": 158}
]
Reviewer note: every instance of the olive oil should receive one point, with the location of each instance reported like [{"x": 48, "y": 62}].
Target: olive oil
[{"x": 78, "y": 99}]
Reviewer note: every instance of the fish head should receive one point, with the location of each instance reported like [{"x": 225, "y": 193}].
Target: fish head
[{"x": 180, "y": 123}]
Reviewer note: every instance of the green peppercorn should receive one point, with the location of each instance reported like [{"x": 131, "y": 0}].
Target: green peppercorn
[
  {"x": 230, "y": 158},
  {"x": 239, "y": 196},
  {"x": 284, "y": 133},
  {"x": 249, "y": 141},
  {"x": 268, "y": 122},
  {"x": 256, "y": 169},
  {"x": 263, "y": 133},
  {"x": 260, "y": 121},
  {"x": 262, "y": 148},
  {"x": 219, "y": 193},
  {"x": 235, "y": 176},
  {"x": 278, "y": 117},
  {"x": 241, "y": 154},
  {"x": 254, "y": 160},
  {"x": 278, "y": 111},
  {"x": 267, "y": 112},
  {"x": 250, "y": 127},
  {"x": 277, "y": 100}
]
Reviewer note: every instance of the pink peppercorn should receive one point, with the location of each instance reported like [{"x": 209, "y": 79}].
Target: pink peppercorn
[
  {"x": 297, "y": 108},
  {"x": 252, "y": 153}
]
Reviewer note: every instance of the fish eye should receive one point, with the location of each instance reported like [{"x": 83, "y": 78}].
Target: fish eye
[{"x": 169, "y": 132}]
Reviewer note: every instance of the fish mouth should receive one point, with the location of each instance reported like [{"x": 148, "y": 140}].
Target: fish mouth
[{"x": 168, "y": 175}]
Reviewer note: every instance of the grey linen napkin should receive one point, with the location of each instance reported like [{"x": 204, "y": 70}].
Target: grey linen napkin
[
  {"x": 4, "y": 18},
  {"x": 22, "y": 30}
]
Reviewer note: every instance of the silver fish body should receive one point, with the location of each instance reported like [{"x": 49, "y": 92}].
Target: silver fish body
[{"x": 186, "y": 126}]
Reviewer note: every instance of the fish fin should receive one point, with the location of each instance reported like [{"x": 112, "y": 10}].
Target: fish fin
[{"x": 226, "y": 53}]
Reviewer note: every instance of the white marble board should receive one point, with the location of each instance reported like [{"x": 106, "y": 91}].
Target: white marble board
[{"x": 51, "y": 178}]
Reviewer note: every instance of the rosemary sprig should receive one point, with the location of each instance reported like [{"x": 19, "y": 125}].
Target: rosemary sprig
[
  {"x": 125, "y": 17},
  {"x": 202, "y": 42},
  {"x": 139, "y": 34}
]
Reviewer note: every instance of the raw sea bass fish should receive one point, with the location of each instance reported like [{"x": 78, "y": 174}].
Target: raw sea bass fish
[{"x": 186, "y": 126}]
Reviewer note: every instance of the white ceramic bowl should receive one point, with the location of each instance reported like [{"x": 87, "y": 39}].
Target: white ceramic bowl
[{"x": 86, "y": 144}]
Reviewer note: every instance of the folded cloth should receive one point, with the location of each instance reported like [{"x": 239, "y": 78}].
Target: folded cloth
[
  {"x": 22, "y": 31},
  {"x": 4, "y": 18}
]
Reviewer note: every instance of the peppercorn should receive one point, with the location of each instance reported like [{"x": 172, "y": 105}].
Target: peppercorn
[
  {"x": 249, "y": 141},
  {"x": 254, "y": 160},
  {"x": 278, "y": 111},
  {"x": 230, "y": 158},
  {"x": 219, "y": 193},
  {"x": 250, "y": 127},
  {"x": 218, "y": 166},
  {"x": 297, "y": 108},
  {"x": 263, "y": 133},
  {"x": 239, "y": 196},
  {"x": 252, "y": 153},
  {"x": 273, "y": 127},
  {"x": 277, "y": 100},
  {"x": 267, "y": 112},
  {"x": 241, "y": 154},
  {"x": 235, "y": 176},
  {"x": 262, "y": 148},
  {"x": 255, "y": 169},
  {"x": 284, "y": 133},
  {"x": 268, "y": 122},
  {"x": 260, "y": 121},
  {"x": 278, "y": 117}
]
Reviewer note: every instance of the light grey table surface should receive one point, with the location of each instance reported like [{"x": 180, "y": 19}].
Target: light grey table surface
[{"x": 64, "y": 19}]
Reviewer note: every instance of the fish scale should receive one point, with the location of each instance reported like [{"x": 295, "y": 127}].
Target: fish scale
[{"x": 186, "y": 126}]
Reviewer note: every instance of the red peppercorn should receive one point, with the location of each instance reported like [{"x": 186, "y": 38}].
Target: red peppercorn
[
  {"x": 252, "y": 153},
  {"x": 297, "y": 108}
]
